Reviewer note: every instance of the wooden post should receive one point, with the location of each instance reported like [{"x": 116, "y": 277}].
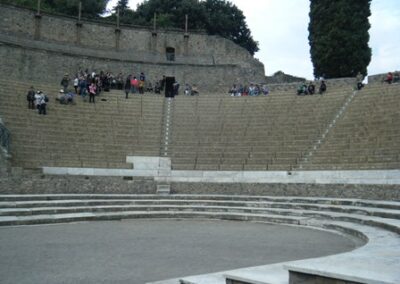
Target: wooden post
[
  {"x": 117, "y": 32},
  {"x": 38, "y": 18},
  {"x": 38, "y": 7},
  {"x": 118, "y": 18},
  {"x": 155, "y": 25},
  {"x": 79, "y": 24},
  {"x": 186, "y": 24},
  {"x": 153, "y": 42},
  {"x": 186, "y": 36},
  {"x": 80, "y": 11}
]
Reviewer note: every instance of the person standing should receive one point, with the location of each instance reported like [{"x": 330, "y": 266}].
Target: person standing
[
  {"x": 31, "y": 98},
  {"x": 359, "y": 79},
  {"x": 134, "y": 85},
  {"x": 92, "y": 92},
  {"x": 42, "y": 103},
  {"x": 127, "y": 86},
  {"x": 65, "y": 82},
  {"x": 76, "y": 84}
]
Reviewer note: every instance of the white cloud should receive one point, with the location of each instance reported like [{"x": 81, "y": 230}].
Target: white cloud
[{"x": 281, "y": 28}]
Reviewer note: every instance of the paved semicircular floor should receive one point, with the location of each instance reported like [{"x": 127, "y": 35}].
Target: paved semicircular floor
[{"x": 139, "y": 251}]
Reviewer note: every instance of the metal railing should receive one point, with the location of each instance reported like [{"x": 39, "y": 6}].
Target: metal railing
[{"x": 4, "y": 138}]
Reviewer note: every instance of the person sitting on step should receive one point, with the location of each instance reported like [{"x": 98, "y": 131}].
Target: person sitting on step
[
  {"x": 389, "y": 78},
  {"x": 311, "y": 88},
  {"x": 322, "y": 87},
  {"x": 302, "y": 90}
]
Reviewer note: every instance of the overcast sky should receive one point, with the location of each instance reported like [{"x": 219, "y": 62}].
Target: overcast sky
[{"x": 281, "y": 28}]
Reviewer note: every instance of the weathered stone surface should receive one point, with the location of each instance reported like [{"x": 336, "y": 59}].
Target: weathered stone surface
[
  {"x": 379, "y": 192},
  {"x": 65, "y": 184},
  {"x": 211, "y": 62}
]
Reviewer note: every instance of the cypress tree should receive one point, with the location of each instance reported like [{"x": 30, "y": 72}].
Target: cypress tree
[{"x": 338, "y": 37}]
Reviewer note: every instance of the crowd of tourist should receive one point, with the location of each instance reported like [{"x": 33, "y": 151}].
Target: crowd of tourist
[
  {"x": 37, "y": 100},
  {"x": 250, "y": 90},
  {"x": 310, "y": 89}
]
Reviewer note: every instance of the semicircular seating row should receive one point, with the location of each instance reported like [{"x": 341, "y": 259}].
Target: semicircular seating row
[{"x": 377, "y": 222}]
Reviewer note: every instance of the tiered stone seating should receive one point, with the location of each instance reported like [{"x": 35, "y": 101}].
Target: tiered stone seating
[
  {"x": 97, "y": 135},
  {"x": 249, "y": 133},
  {"x": 368, "y": 135},
  {"x": 376, "y": 222}
]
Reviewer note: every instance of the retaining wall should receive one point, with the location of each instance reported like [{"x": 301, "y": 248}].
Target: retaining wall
[{"x": 61, "y": 44}]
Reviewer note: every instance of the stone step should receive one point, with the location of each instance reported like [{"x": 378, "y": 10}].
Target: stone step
[
  {"x": 230, "y": 199},
  {"x": 81, "y": 217},
  {"x": 23, "y": 208},
  {"x": 350, "y": 215},
  {"x": 357, "y": 266}
]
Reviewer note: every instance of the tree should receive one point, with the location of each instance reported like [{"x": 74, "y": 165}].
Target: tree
[
  {"x": 90, "y": 8},
  {"x": 225, "y": 19},
  {"x": 171, "y": 13},
  {"x": 338, "y": 37},
  {"x": 122, "y": 5}
]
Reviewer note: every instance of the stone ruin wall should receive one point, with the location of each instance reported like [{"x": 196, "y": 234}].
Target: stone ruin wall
[{"x": 44, "y": 48}]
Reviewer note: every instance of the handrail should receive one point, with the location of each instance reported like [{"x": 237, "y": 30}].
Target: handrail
[{"x": 4, "y": 138}]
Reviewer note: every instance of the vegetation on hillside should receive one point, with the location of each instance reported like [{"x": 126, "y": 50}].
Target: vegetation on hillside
[{"x": 338, "y": 37}]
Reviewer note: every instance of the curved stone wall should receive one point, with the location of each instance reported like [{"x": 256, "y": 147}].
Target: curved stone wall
[{"x": 64, "y": 45}]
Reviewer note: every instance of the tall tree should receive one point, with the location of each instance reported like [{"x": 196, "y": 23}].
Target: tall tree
[
  {"x": 338, "y": 37},
  {"x": 225, "y": 19},
  {"x": 122, "y": 6}
]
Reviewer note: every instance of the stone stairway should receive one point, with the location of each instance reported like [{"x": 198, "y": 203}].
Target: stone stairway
[
  {"x": 377, "y": 222},
  {"x": 249, "y": 133},
  {"x": 367, "y": 136},
  {"x": 211, "y": 132},
  {"x": 98, "y": 135}
]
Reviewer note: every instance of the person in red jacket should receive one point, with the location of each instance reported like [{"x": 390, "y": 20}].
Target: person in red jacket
[
  {"x": 389, "y": 78},
  {"x": 134, "y": 84}
]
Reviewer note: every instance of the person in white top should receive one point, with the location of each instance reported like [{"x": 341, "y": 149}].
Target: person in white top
[{"x": 76, "y": 84}]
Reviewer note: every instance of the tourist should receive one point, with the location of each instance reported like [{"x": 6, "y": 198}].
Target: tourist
[
  {"x": 66, "y": 98},
  {"x": 322, "y": 87},
  {"x": 359, "y": 79},
  {"x": 251, "y": 90},
  {"x": 163, "y": 81},
  {"x": 43, "y": 99},
  {"x": 82, "y": 86},
  {"x": 37, "y": 100},
  {"x": 188, "y": 90},
  {"x": 149, "y": 86},
  {"x": 175, "y": 89},
  {"x": 142, "y": 77},
  {"x": 134, "y": 84},
  {"x": 61, "y": 97},
  {"x": 311, "y": 88},
  {"x": 92, "y": 92},
  {"x": 65, "y": 82},
  {"x": 302, "y": 90},
  {"x": 265, "y": 90},
  {"x": 195, "y": 90},
  {"x": 157, "y": 87},
  {"x": 30, "y": 97},
  {"x": 76, "y": 84},
  {"x": 233, "y": 90},
  {"x": 141, "y": 87},
  {"x": 127, "y": 86},
  {"x": 389, "y": 78}
]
